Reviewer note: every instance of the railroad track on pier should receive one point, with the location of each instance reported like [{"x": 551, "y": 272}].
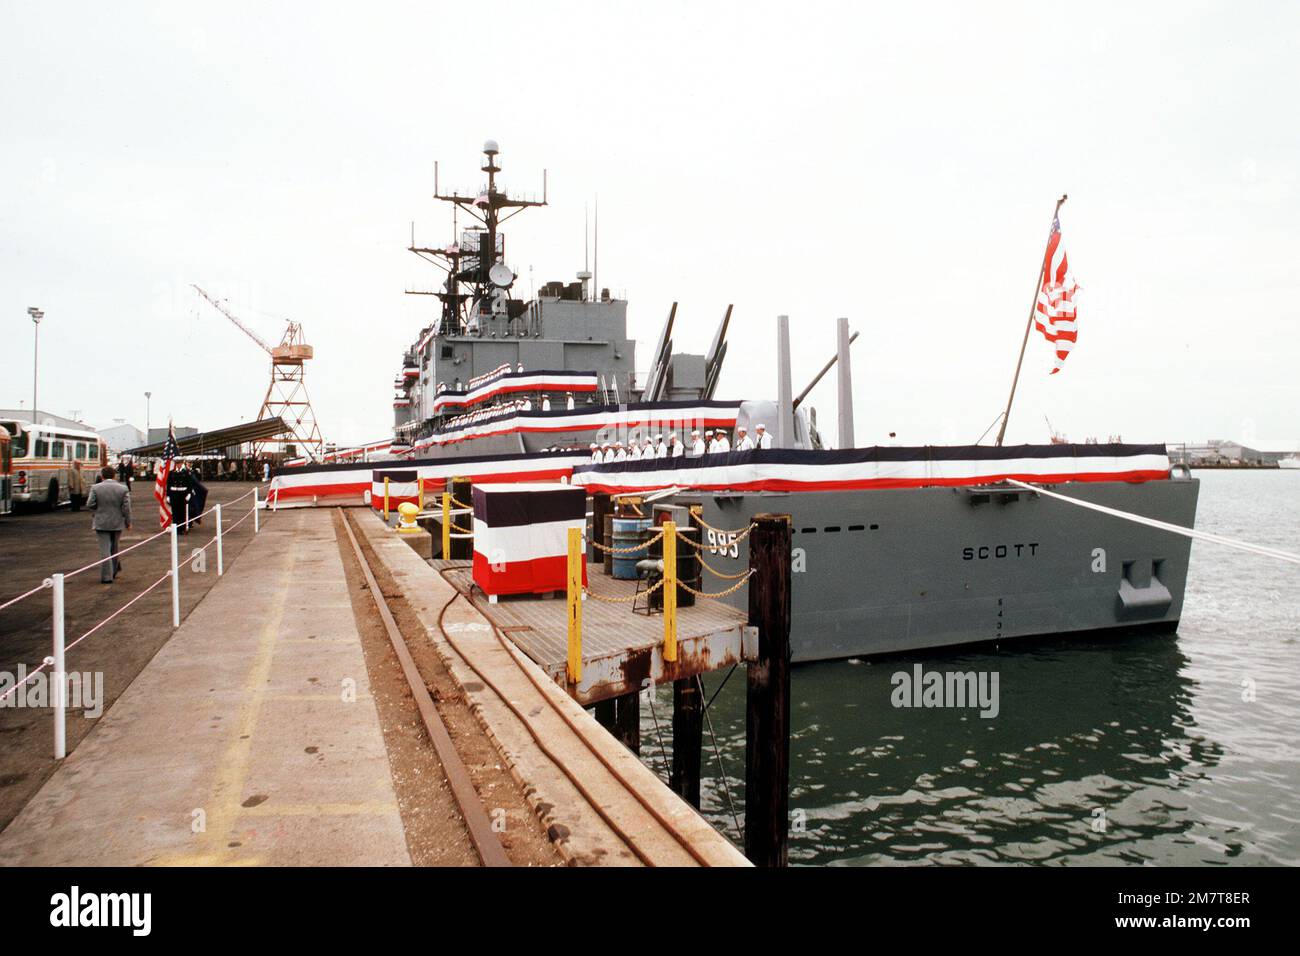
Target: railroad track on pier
[{"x": 638, "y": 823}]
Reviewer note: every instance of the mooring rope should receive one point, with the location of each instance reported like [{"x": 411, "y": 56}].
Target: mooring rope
[{"x": 1259, "y": 549}]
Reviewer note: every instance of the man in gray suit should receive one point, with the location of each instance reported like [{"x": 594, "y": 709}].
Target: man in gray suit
[{"x": 111, "y": 502}]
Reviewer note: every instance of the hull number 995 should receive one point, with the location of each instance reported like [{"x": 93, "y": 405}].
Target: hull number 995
[{"x": 723, "y": 543}]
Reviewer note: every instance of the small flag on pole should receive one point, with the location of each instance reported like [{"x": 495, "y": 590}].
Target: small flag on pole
[
  {"x": 160, "y": 483},
  {"x": 1054, "y": 314}
]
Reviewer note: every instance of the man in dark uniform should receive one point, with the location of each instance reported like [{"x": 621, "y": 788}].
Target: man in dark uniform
[
  {"x": 199, "y": 501},
  {"x": 179, "y": 490}
]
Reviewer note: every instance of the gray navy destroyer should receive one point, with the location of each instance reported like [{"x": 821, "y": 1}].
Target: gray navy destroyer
[{"x": 896, "y": 549}]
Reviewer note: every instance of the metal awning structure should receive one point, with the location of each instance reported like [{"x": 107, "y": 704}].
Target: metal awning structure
[{"x": 220, "y": 439}]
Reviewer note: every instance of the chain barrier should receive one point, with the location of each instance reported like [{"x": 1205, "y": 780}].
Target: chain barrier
[
  {"x": 721, "y": 594},
  {"x": 718, "y": 574},
  {"x": 624, "y": 600},
  {"x": 632, "y": 550}
]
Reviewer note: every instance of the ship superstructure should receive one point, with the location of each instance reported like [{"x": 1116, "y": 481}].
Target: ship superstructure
[{"x": 484, "y": 375}]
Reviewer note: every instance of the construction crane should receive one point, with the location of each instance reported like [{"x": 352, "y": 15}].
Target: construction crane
[{"x": 286, "y": 395}]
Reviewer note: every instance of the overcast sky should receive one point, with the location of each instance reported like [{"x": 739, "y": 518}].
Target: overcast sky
[{"x": 893, "y": 163}]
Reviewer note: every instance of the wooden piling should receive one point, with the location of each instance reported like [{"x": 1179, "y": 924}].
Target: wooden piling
[
  {"x": 627, "y": 721},
  {"x": 688, "y": 738},
  {"x": 767, "y": 697},
  {"x": 599, "y": 509}
]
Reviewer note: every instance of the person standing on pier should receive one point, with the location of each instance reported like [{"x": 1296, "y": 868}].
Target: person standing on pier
[
  {"x": 199, "y": 499},
  {"x": 111, "y": 502},
  {"x": 179, "y": 492}
]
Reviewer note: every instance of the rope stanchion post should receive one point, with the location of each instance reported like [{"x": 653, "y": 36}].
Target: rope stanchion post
[
  {"x": 767, "y": 698},
  {"x": 256, "y": 521},
  {"x": 446, "y": 526},
  {"x": 58, "y": 678},
  {"x": 573, "y": 666},
  {"x": 221, "y": 558},
  {"x": 176, "y": 579},
  {"x": 670, "y": 591}
]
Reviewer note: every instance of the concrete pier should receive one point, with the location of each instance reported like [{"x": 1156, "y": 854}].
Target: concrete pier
[{"x": 251, "y": 738}]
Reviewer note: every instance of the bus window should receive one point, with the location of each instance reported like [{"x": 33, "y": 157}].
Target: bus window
[
  {"x": 58, "y": 448},
  {"x": 18, "y": 443},
  {"x": 92, "y": 451},
  {"x": 81, "y": 450},
  {"x": 42, "y": 448}
]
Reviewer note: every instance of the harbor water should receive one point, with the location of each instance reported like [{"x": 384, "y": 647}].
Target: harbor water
[{"x": 1128, "y": 750}]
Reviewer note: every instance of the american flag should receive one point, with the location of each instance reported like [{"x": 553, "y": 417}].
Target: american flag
[
  {"x": 1054, "y": 313},
  {"x": 164, "y": 472}
]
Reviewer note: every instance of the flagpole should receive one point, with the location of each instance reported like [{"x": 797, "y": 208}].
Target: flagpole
[{"x": 1029, "y": 324}]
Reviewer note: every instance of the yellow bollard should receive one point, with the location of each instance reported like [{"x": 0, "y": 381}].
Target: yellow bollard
[
  {"x": 670, "y": 591},
  {"x": 573, "y": 669},
  {"x": 385, "y": 498},
  {"x": 446, "y": 526},
  {"x": 406, "y": 513}
]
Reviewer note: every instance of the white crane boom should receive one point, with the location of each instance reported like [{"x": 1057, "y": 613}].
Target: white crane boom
[{"x": 228, "y": 314}]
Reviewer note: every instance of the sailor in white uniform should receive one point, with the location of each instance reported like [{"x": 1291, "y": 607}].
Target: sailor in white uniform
[
  {"x": 661, "y": 450},
  {"x": 647, "y": 448},
  {"x": 764, "y": 439},
  {"x": 609, "y": 452},
  {"x": 620, "y": 453},
  {"x": 710, "y": 443},
  {"x": 743, "y": 441},
  {"x": 675, "y": 448},
  {"x": 546, "y": 403},
  {"x": 697, "y": 445},
  {"x": 595, "y": 453},
  {"x": 720, "y": 443},
  {"x": 568, "y": 401}
]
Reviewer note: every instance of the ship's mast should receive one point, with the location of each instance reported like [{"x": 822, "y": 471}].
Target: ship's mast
[{"x": 473, "y": 288}]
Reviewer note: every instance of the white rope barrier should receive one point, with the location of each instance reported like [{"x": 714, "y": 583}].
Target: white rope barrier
[
  {"x": 165, "y": 576},
  {"x": 1263, "y": 551},
  {"x": 56, "y": 660},
  {"x": 26, "y": 594}
]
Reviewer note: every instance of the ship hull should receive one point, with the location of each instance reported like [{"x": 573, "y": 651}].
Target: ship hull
[{"x": 888, "y": 571}]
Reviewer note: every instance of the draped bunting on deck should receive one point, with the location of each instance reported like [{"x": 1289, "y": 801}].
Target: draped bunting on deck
[
  {"x": 521, "y": 534},
  {"x": 663, "y": 417},
  {"x": 348, "y": 483},
  {"x": 513, "y": 383},
  {"x": 783, "y": 469}
]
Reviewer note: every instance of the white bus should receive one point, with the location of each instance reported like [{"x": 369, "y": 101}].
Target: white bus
[{"x": 44, "y": 459}]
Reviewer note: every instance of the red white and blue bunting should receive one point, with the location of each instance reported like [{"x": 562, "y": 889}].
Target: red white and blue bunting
[
  {"x": 521, "y": 535},
  {"x": 615, "y": 420},
  {"x": 780, "y": 469},
  {"x": 511, "y": 383}
]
